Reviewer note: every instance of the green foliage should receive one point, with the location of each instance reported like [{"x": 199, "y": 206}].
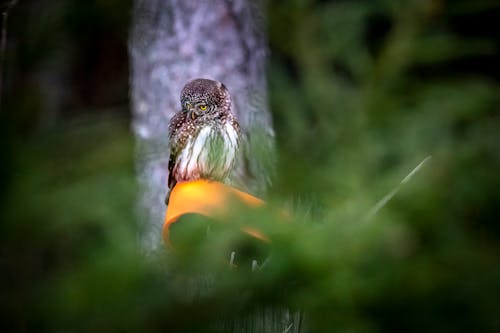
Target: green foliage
[{"x": 361, "y": 92}]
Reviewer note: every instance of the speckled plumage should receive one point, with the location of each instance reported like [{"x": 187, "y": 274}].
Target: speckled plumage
[{"x": 204, "y": 135}]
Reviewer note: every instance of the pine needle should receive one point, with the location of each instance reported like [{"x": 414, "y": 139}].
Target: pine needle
[{"x": 382, "y": 202}]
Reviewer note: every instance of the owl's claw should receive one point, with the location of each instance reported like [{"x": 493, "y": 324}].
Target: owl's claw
[{"x": 232, "y": 258}]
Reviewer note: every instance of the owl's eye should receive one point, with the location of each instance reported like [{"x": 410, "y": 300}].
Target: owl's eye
[{"x": 203, "y": 107}]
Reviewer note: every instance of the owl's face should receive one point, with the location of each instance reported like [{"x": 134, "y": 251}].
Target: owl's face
[{"x": 202, "y": 98}]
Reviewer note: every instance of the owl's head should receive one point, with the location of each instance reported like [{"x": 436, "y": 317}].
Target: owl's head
[{"x": 203, "y": 97}]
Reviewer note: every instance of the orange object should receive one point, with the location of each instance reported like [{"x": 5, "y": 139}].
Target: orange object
[{"x": 208, "y": 198}]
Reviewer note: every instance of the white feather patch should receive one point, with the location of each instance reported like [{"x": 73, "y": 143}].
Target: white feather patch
[
  {"x": 199, "y": 145},
  {"x": 195, "y": 161},
  {"x": 231, "y": 145}
]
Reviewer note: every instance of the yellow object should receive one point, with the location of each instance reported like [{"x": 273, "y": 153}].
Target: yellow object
[{"x": 208, "y": 198}]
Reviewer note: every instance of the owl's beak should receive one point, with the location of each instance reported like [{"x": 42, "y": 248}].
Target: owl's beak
[{"x": 192, "y": 113}]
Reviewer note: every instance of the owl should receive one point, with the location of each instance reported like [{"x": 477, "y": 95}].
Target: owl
[{"x": 204, "y": 136}]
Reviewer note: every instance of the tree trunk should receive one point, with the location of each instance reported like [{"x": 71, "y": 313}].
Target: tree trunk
[{"x": 173, "y": 41}]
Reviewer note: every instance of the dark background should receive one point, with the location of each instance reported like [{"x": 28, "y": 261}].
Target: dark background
[{"x": 360, "y": 91}]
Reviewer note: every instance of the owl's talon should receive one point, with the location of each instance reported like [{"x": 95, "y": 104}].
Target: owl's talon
[{"x": 231, "y": 260}]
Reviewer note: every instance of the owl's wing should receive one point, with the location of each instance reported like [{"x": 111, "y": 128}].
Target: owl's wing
[
  {"x": 173, "y": 137},
  {"x": 171, "y": 178}
]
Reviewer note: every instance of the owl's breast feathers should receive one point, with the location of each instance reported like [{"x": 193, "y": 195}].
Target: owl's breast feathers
[{"x": 202, "y": 150}]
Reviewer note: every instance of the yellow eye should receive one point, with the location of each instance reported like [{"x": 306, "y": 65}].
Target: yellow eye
[{"x": 203, "y": 107}]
